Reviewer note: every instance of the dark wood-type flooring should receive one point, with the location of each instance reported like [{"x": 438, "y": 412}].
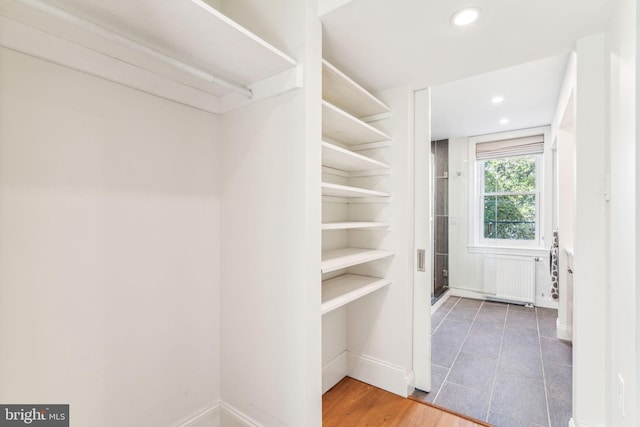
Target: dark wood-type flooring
[{"x": 352, "y": 403}]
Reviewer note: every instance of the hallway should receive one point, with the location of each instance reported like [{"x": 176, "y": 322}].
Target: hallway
[{"x": 500, "y": 363}]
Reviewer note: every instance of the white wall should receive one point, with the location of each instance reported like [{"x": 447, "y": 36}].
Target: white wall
[
  {"x": 563, "y": 133},
  {"x": 466, "y": 264},
  {"x": 622, "y": 273},
  {"x": 109, "y": 256},
  {"x": 465, "y": 268},
  {"x": 589, "y": 326},
  {"x": 380, "y": 324},
  {"x": 271, "y": 329},
  {"x": 605, "y": 292}
]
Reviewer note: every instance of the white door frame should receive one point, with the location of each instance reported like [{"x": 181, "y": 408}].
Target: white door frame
[{"x": 422, "y": 240}]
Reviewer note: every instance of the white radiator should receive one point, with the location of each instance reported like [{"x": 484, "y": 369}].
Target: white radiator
[{"x": 510, "y": 278}]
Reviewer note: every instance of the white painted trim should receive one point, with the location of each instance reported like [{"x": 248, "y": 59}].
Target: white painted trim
[
  {"x": 331, "y": 171},
  {"x": 208, "y": 417},
  {"x": 146, "y": 76},
  {"x": 467, "y": 293},
  {"x": 384, "y": 375},
  {"x": 267, "y": 88},
  {"x": 544, "y": 302},
  {"x": 378, "y": 172},
  {"x": 376, "y": 117},
  {"x": 566, "y": 94},
  {"x": 543, "y": 205},
  {"x": 564, "y": 332},
  {"x": 498, "y": 250},
  {"x": 410, "y": 380},
  {"x": 576, "y": 423},
  {"x": 219, "y": 414},
  {"x": 479, "y": 295},
  {"x": 334, "y": 371},
  {"x": 370, "y": 146},
  {"x": 230, "y": 416},
  {"x": 420, "y": 193}
]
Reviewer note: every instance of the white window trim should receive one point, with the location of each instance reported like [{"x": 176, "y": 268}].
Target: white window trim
[
  {"x": 475, "y": 242},
  {"x": 483, "y": 241}
]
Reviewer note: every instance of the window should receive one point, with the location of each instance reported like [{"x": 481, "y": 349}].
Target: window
[
  {"x": 509, "y": 198},
  {"x": 508, "y": 191}
]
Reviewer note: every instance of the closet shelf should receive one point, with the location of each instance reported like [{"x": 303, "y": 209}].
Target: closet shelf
[
  {"x": 182, "y": 50},
  {"x": 347, "y": 257},
  {"x": 337, "y": 190},
  {"x": 352, "y": 225},
  {"x": 342, "y": 159},
  {"x": 340, "y": 90},
  {"x": 347, "y": 288},
  {"x": 343, "y": 127}
]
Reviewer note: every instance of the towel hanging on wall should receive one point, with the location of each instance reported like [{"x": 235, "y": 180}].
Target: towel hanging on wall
[{"x": 553, "y": 266}]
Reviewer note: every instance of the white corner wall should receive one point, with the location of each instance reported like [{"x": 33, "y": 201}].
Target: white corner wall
[
  {"x": 270, "y": 317},
  {"x": 563, "y": 134},
  {"x": 465, "y": 268},
  {"x": 622, "y": 274},
  {"x": 109, "y": 256},
  {"x": 380, "y": 325},
  {"x": 590, "y": 255}
]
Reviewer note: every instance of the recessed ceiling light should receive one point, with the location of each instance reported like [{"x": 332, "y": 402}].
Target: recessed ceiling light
[
  {"x": 504, "y": 121},
  {"x": 497, "y": 99},
  {"x": 465, "y": 16}
]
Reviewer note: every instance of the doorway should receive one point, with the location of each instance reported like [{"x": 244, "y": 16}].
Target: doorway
[{"x": 510, "y": 344}]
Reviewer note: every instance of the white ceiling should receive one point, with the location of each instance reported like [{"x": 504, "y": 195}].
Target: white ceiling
[
  {"x": 530, "y": 91},
  {"x": 389, "y": 43}
]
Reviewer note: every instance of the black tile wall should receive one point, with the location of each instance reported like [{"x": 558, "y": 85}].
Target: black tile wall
[{"x": 440, "y": 151}]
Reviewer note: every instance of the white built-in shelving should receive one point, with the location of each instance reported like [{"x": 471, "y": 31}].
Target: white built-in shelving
[
  {"x": 337, "y": 190},
  {"x": 353, "y": 225},
  {"x": 186, "y": 51},
  {"x": 338, "y": 259},
  {"x": 345, "y": 160},
  {"x": 341, "y": 91},
  {"x": 346, "y": 110},
  {"x": 341, "y": 126},
  {"x": 347, "y": 288}
]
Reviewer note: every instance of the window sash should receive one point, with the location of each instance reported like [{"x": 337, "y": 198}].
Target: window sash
[{"x": 481, "y": 200}]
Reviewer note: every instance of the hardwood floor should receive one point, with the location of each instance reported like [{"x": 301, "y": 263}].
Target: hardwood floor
[{"x": 352, "y": 403}]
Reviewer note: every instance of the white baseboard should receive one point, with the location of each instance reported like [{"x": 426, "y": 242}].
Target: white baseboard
[
  {"x": 546, "y": 303},
  {"x": 379, "y": 373},
  {"x": 564, "y": 332},
  {"x": 467, "y": 293},
  {"x": 232, "y": 417},
  {"x": 220, "y": 414},
  {"x": 473, "y": 294},
  {"x": 576, "y": 423},
  {"x": 334, "y": 371},
  {"x": 208, "y": 417}
]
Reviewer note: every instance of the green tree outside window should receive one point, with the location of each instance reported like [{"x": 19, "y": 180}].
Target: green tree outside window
[{"x": 509, "y": 193}]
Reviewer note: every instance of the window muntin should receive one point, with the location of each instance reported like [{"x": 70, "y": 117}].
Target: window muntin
[{"x": 509, "y": 199}]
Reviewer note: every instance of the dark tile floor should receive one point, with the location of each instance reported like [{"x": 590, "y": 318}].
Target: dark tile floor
[{"x": 500, "y": 363}]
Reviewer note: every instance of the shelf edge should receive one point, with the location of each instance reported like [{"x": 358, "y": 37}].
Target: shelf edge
[{"x": 353, "y": 295}]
